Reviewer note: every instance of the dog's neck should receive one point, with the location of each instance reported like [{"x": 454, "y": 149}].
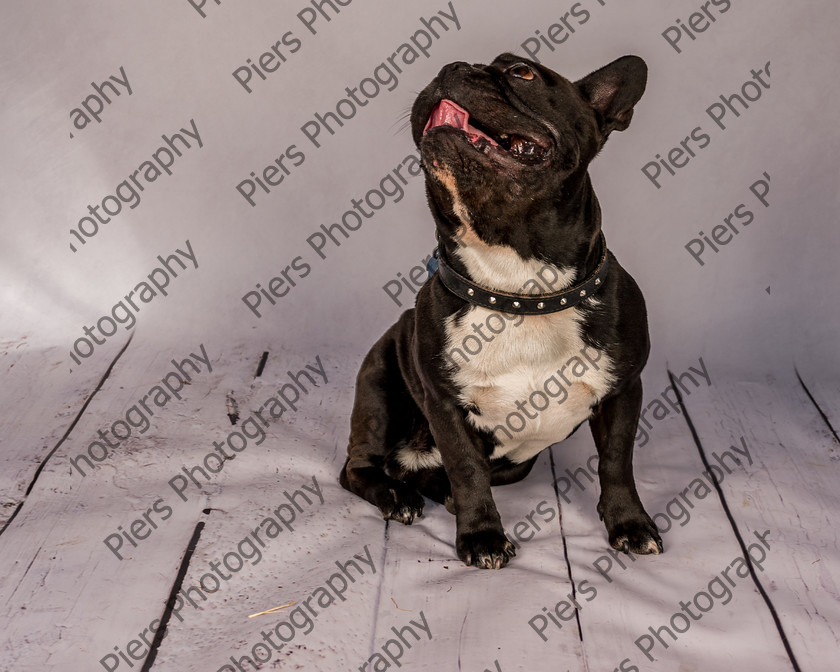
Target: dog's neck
[
  {"x": 525, "y": 257},
  {"x": 501, "y": 268}
]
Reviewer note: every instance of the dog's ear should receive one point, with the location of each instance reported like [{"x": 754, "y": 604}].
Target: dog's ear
[{"x": 614, "y": 90}]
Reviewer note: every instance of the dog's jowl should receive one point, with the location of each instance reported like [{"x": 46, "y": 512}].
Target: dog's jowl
[{"x": 505, "y": 148}]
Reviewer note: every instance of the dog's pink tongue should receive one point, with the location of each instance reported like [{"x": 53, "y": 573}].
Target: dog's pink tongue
[{"x": 448, "y": 113}]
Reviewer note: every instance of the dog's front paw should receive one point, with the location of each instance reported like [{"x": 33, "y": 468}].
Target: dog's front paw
[
  {"x": 636, "y": 534},
  {"x": 401, "y": 503},
  {"x": 488, "y": 549}
]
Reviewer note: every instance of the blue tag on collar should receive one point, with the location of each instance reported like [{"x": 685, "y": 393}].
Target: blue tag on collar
[{"x": 432, "y": 264}]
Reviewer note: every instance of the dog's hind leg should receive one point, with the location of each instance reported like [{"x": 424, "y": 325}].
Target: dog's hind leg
[
  {"x": 503, "y": 472},
  {"x": 384, "y": 415},
  {"x": 434, "y": 484}
]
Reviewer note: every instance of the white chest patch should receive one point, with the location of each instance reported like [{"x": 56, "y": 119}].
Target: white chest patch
[{"x": 531, "y": 379}]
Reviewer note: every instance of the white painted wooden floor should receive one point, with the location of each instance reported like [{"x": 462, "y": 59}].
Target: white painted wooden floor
[{"x": 70, "y": 604}]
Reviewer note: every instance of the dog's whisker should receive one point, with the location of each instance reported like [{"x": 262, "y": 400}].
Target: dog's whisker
[{"x": 401, "y": 128}]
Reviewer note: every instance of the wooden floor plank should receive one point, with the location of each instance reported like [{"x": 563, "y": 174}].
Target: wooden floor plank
[
  {"x": 475, "y": 614},
  {"x": 791, "y": 491},
  {"x": 40, "y": 399},
  {"x": 68, "y": 599},
  {"x": 298, "y": 563},
  {"x": 823, "y": 391},
  {"x": 639, "y": 595}
]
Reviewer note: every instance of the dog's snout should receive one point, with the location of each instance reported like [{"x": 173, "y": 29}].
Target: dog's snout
[{"x": 452, "y": 68}]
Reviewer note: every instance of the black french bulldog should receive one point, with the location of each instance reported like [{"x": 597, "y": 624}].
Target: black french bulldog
[{"x": 505, "y": 148}]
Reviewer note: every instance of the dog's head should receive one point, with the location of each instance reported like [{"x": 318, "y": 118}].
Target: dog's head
[{"x": 506, "y": 146}]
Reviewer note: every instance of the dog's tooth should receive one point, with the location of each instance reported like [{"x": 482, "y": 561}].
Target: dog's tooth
[
  {"x": 521, "y": 146},
  {"x": 525, "y": 149}
]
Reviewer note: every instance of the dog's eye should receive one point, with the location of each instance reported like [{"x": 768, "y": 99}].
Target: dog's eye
[{"x": 521, "y": 71}]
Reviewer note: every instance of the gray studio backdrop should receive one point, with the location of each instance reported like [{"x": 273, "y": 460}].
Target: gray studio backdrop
[{"x": 94, "y": 90}]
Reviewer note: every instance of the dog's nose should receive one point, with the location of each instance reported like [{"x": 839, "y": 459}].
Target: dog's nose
[{"x": 452, "y": 68}]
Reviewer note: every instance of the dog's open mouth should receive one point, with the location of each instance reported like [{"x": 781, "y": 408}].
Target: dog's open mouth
[{"x": 520, "y": 147}]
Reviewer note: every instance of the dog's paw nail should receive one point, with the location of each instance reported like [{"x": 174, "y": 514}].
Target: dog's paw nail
[
  {"x": 638, "y": 536},
  {"x": 403, "y": 505},
  {"x": 485, "y": 549}
]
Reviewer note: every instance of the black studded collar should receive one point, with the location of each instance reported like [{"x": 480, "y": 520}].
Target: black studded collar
[{"x": 521, "y": 304}]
